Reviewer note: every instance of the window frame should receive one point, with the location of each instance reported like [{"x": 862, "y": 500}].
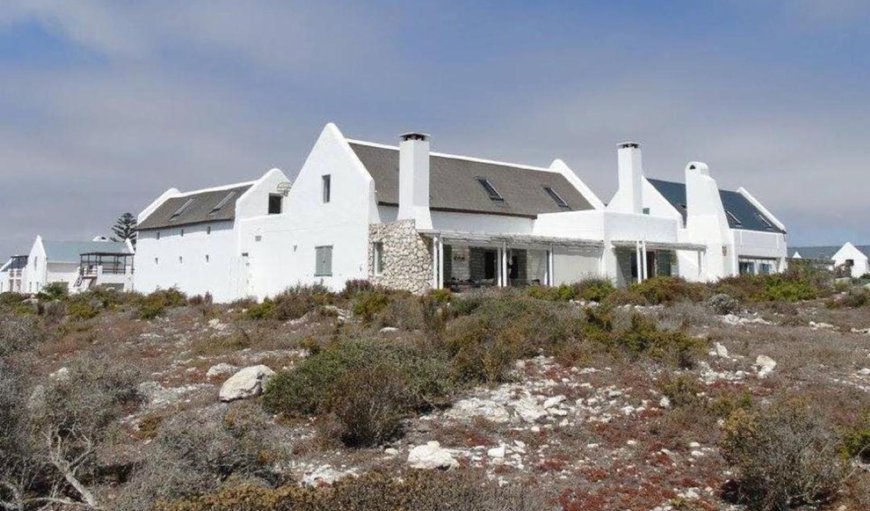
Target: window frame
[
  {"x": 490, "y": 189},
  {"x": 318, "y": 270},
  {"x": 378, "y": 258},
  {"x": 562, "y": 203}
]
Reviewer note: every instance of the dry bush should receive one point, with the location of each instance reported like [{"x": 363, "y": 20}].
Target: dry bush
[
  {"x": 723, "y": 304},
  {"x": 196, "y": 451},
  {"x": 783, "y": 456},
  {"x": 418, "y": 491},
  {"x": 19, "y": 332},
  {"x": 663, "y": 290},
  {"x": 370, "y": 404},
  {"x": 156, "y": 303}
]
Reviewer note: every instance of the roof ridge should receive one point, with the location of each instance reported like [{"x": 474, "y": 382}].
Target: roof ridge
[
  {"x": 215, "y": 189},
  {"x": 458, "y": 156}
]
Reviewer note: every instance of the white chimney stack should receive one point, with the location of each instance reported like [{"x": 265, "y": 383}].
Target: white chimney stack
[
  {"x": 630, "y": 177},
  {"x": 414, "y": 179}
]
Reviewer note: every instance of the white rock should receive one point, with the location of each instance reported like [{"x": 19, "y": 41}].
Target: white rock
[
  {"x": 528, "y": 410},
  {"x": 475, "y": 407},
  {"x": 821, "y": 325},
  {"x": 391, "y": 451},
  {"x": 664, "y": 402},
  {"x": 61, "y": 374},
  {"x": 323, "y": 475},
  {"x": 248, "y": 382},
  {"x": 389, "y": 329},
  {"x": 496, "y": 452},
  {"x": 694, "y": 445},
  {"x": 765, "y": 365},
  {"x": 721, "y": 351},
  {"x": 553, "y": 401},
  {"x": 431, "y": 456},
  {"x": 219, "y": 369},
  {"x": 217, "y": 325},
  {"x": 864, "y": 372}
]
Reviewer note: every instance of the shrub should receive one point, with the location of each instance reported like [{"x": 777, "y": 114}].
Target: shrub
[
  {"x": 356, "y": 286},
  {"x": 368, "y": 304},
  {"x": 783, "y": 457},
  {"x": 682, "y": 390},
  {"x": 403, "y": 310},
  {"x": 292, "y": 303},
  {"x": 793, "y": 285},
  {"x": 54, "y": 291},
  {"x": 264, "y": 310},
  {"x": 595, "y": 290},
  {"x": 310, "y": 387},
  {"x": 374, "y": 491},
  {"x": 82, "y": 309},
  {"x": 370, "y": 404},
  {"x": 723, "y": 304},
  {"x": 643, "y": 337},
  {"x": 664, "y": 290},
  {"x": 156, "y": 303},
  {"x": 854, "y": 298},
  {"x": 856, "y": 442},
  {"x": 18, "y": 333}
]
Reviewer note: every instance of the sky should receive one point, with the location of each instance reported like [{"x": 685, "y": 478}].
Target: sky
[{"x": 105, "y": 105}]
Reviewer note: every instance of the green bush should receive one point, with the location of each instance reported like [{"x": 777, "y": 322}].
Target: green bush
[
  {"x": 369, "y": 304},
  {"x": 854, "y": 298},
  {"x": 595, "y": 290},
  {"x": 292, "y": 303},
  {"x": 54, "y": 291},
  {"x": 156, "y": 303},
  {"x": 665, "y": 290},
  {"x": 82, "y": 310},
  {"x": 682, "y": 390},
  {"x": 310, "y": 387},
  {"x": 370, "y": 403},
  {"x": 784, "y": 456},
  {"x": 856, "y": 443},
  {"x": 643, "y": 337},
  {"x": 796, "y": 284}
]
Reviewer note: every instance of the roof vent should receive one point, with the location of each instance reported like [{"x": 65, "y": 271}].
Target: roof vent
[
  {"x": 628, "y": 145},
  {"x": 413, "y": 136}
]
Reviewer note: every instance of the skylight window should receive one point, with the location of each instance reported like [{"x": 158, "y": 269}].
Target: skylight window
[
  {"x": 556, "y": 197},
  {"x": 490, "y": 190},
  {"x": 766, "y": 223},
  {"x": 223, "y": 202},
  {"x": 733, "y": 218},
  {"x": 181, "y": 210}
]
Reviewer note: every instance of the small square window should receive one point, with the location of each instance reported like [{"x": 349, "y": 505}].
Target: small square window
[
  {"x": 646, "y": 211},
  {"x": 208, "y": 230},
  {"x": 156, "y": 261},
  {"x": 180, "y": 259},
  {"x": 327, "y": 188},
  {"x": 275, "y": 202},
  {"x": 206, "y": 258},
  {"x": 323, "y": 261},
  {"x": 378, "y": 257},
  {"x": 258, "y": 238}
]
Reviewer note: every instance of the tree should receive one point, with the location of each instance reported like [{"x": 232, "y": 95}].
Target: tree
[{"x": 125, "y": 228}]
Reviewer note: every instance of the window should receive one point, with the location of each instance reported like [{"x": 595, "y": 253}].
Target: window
[
  {"x": 207, "y": 259},
  {"x": 327, "y": 188},
  {"x": 490, "y": 190},
  {"x": 158, "y": 235},
  {"x": 850, "y": 263},
  {"x": 553, "y": 195},
  {"x": 156, "y": 261},
  {"x": 181, "y": 210},
  {"x": 275, "y": 201},
  {"x": 323, "y": 262},
  {"x": 182, "y": 233},
  {"x": 378, "y": 257},
  {"x": 765, "y": 268},
  {"x": 733, "y": 218},
  {"x": 222, "y": 203},
  {"x": 646, "y": 211},
  {"x": 180, "y": 259},
  {"x": 208, "y": 230},
  {"x": 746, "y": 268},
  {"x": 767, "y": 224}
]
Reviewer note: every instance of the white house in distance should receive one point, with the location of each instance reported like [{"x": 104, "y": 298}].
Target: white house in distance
[
  {"x": 738, "y": 233},
  {"x": 12, "y": 274},
  {"x": 851, "y": 258},
  {"x": 194, "y": 241},
  {"x": 79, "y": 265},
  {"x": 405, "y": 217}
]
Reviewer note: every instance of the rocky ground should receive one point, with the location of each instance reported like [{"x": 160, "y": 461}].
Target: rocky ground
[{"x": 601, "y": 434}]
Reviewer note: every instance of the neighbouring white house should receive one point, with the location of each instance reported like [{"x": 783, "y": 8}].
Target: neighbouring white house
[
  {"x": 849, "y": 258},
  {"x": 79, "y": 265},
  {"x": 193, "y": 241},
  {"x": 405, "y": 217},
  {"x": 12, "y": 274},
  {"x": 738, "y": 234}
]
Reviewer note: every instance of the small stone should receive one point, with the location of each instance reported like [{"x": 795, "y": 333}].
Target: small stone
[
  {"x": 553, "y": 401},
  {"x": 496, "y": 452},
  {"x": 664, "y": 402},
  {"x": 248, "y": 382},
  {"x": 431, "y": 456},
  {"x": 389, "y": 329},
  {"x": 219, "y": 369},
  {"x": 765, "y": 365},
  {"x": 721, "y": 351}
]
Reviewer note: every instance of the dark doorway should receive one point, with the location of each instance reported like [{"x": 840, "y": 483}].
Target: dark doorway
[
  {"x": 489, "y": 264},
  {"x": 650, "y": 265}
]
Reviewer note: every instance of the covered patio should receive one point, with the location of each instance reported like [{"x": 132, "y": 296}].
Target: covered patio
[
  {"x": 462, "y": 260},
  {"x": 639, "y": 260}
]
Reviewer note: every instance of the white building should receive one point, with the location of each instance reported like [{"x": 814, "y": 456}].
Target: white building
[
  {"x": 194, "y": 241},
  {"x": 738, "y": 234},
  {"x": 851, "y": 259},
  {"x": 79, "y": 265},
  {"x": 12, "y": 275},
  {"x": 405, "y": 217}
]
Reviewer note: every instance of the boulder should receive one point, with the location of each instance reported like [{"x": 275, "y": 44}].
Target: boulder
[
  {"x": 765, "y": 365},
  {"x": 248, "y": 382},
  {"x": 476, "y": 407},
  {"x": 431, "y": 456},
  {"x": 529, "y": 410},
  {"x": 61, "y": 374},
  {"x": 721, "y": 351}
]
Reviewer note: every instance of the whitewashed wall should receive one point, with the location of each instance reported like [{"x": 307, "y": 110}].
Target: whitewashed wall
[{"x": 850, "y": 251}]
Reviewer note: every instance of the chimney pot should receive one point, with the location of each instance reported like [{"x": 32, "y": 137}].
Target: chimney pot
[{"x": 413, "y": 135}]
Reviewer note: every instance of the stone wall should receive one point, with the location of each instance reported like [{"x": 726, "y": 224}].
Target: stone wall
[{"x": 407, "y": 257}]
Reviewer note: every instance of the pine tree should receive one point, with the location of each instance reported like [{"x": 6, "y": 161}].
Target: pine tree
[{"x": 125, "y": 228}]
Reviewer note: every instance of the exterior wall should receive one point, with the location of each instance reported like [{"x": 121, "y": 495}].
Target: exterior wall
[
  {"x": 204, "y": 260},
  {"x": 849, "y": 251},
  {"x": 35, "y": 273},
  {"x": 471, "y": 222},
  {"x": 407, "y": 257},
  {"x": 281, "y": 248}
]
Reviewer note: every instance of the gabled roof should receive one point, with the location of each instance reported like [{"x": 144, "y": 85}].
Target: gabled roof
[
  {"x": 198, "y": 207},
  {"x": 454, "y": 185},
  {"x": 814, "y": 253},
  {"x": 741, "y": 213},
  {"x": 71, "y": 251},
  {"x": 15, "y": 262}
]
